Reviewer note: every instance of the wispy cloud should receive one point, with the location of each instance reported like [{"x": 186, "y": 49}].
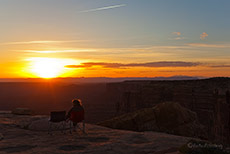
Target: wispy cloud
[
  {"x": 103, "y": 8},
  {"x": 176, "y": 33},
  {"x": 177, "y": 36},
  {"x": 158, "y": 64},
  {"x": 149, "y": 64},
  {"x": 203, "y": 35},
  {"x": 220, "y": 66},
  {"x": 59, "y": 51},
  {"x": 209, "y": 45},
  {"x": 41, "y": 42}
]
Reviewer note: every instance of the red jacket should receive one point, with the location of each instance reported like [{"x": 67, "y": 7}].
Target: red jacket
[{"x": 76, "y": 114}]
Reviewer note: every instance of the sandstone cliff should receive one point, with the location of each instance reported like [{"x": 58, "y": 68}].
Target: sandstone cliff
[{"x": 208, "y": 98}]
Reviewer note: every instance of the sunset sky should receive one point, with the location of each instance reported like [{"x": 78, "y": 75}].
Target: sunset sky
[{"x": 114, "y": 38}]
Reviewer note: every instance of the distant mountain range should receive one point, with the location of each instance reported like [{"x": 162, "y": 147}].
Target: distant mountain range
[{"x": 98, "y": 79}]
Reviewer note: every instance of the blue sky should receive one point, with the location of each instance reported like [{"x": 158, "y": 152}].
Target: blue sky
[{"x": 154, "y": 19}]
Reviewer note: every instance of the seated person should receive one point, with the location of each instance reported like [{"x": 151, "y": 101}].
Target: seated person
[{"x": 76, "y": 113}]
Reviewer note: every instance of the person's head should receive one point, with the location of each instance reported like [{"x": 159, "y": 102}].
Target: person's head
[{"x": 76, "y": 102}]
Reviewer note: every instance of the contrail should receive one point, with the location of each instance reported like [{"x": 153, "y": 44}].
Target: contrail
[{"x": 103, "y": 8}]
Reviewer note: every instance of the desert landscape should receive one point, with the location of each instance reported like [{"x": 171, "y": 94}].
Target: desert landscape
[
  {"x": 34, "y": 138},
  {"x": 151, "y": 110},
  {"x": 114, "y": 76}
]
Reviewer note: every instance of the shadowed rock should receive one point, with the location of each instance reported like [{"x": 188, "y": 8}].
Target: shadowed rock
[
  {"x": 16, "y": 149},
  {"x": 97, "y": 139},
  {"x": 71, "y": 147},
  {"x": 167, "y": 117},
  {"x": 1, "y": 137}
]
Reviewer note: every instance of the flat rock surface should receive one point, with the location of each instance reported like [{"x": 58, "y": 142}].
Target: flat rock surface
[{"x": 97, "y": 140}]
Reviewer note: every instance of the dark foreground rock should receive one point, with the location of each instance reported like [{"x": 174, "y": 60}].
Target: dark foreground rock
[
  {"x": 1, "y": 137},
  {"x": 165, "y": 117},
  {"x": 98, "y": 140},
  {"x": 22, "y": 111}
]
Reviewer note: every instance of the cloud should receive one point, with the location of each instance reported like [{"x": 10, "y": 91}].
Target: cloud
[
  {"x": 203, "y": 35},
  {"x": 177, "y": 36},
  {"x": 220, "y": 66},
  {"x": 149, "y": 64},
  {"x": 176, "y": 33},
  {"x": 91, "y": 64},
  {"x": 209, "y": 45},
  {"x": 103, "y": 8},
  {"x": 59, "y": 51},
  {"x": 111, "y": 51},
  {"x": 160, "y": 47},
  {"x": 41, "y": 42}
]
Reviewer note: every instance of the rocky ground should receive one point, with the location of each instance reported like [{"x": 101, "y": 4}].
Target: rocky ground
[{"x": 21, "y": 134}]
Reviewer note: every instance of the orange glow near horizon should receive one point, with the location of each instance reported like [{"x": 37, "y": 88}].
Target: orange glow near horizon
[
  {"x": 49, "y": 67},
  {"x": 39, "y": 66}
]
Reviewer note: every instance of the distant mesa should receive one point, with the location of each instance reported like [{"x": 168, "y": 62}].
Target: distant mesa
[{"x": 102, "y": 79}]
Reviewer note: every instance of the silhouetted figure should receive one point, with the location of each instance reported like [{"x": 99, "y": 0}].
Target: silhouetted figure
[{"x": 76, "y": 113}]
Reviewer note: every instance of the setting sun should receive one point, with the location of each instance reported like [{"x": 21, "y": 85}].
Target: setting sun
[{"x": 49, "y": 67}]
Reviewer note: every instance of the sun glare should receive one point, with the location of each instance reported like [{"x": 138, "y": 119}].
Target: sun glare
[{"x": 49, "y": 67}]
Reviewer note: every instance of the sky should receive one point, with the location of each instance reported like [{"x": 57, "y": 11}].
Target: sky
[{"x": 114, "y": 38}]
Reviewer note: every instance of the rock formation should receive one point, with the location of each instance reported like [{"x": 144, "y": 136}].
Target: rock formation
[
  {"x": 208, "y": 98},
  {"x": 1, "y": 137},
  {"x": 167, "y": 117},
  {"x": 22, "y": 111},
  {"x": 98, "y": 140}
]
